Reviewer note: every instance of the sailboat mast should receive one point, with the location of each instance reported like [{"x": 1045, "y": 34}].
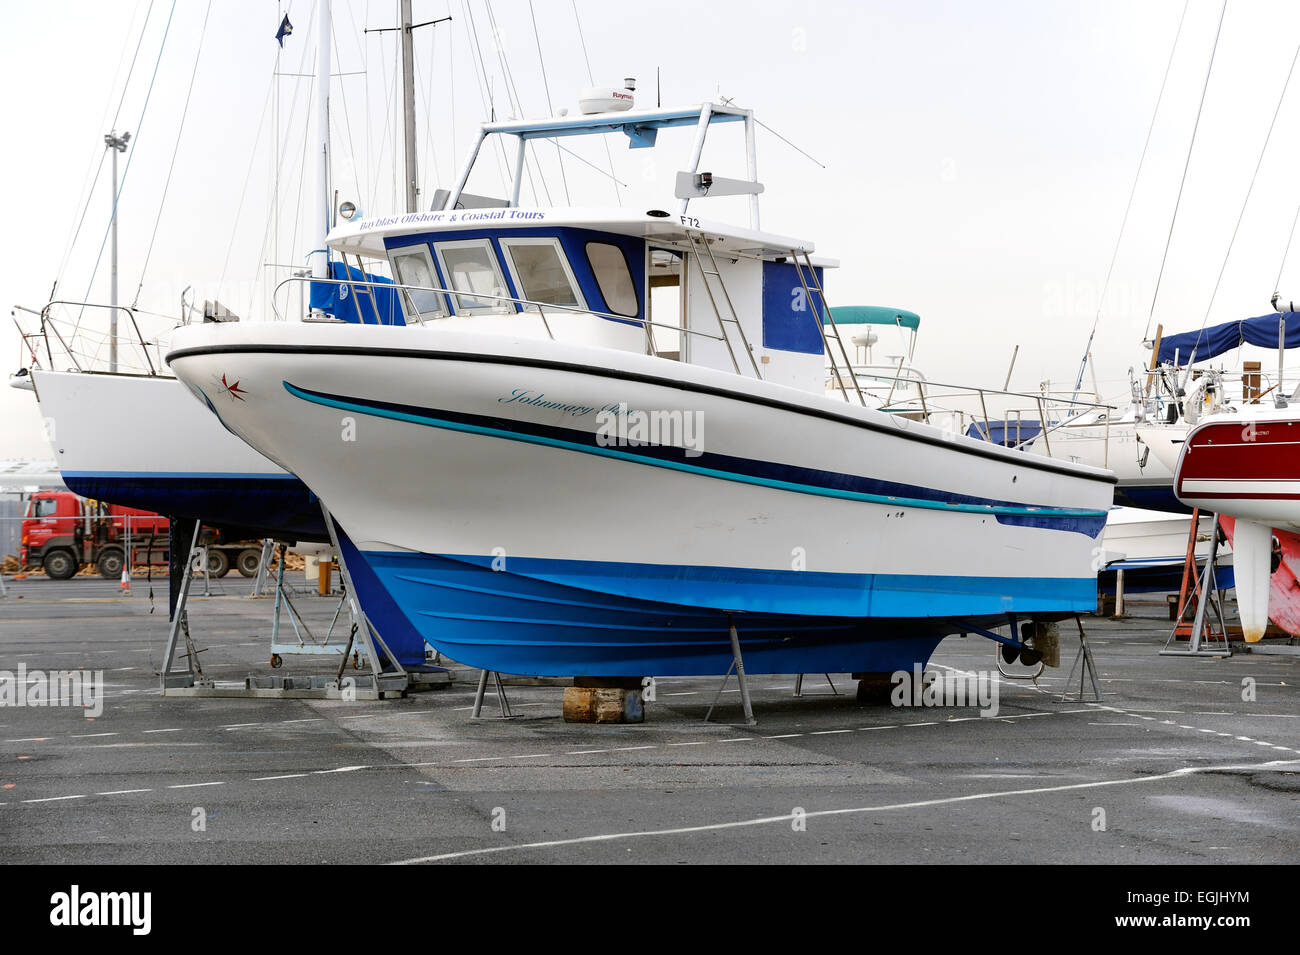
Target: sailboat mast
[
  {"x": 319, "y": 256},
  {"x": 408, "y": 108}
]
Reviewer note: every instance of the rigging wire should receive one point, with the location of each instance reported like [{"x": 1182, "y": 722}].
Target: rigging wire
[
  {"x": 248, "y": 175},
  {"x": 88, "y": 186},
  {"x": 512, "y": 93},
  {"x": 347, "y": 117},
  {"x": 609, "y": 156},
  {"x": 185, "y": 110},
  {"x": 788, "y": 143},
  {"x": 117, "y": 198},
  {"x": 485, "y": 91},
  {"x": 272, "y": 232},
  {"x": 1287, "y": 250},
  {"x": 1259, "y": 162},
  {"x": 1101, "y": 299},
  {"x": 1186, "y": 165},
  {"x": 550, "y": 110},
  {"x": 431, "y": 159}
]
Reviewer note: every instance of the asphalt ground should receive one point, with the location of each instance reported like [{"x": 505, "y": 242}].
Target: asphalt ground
[{"x": 1179, "y": 763}]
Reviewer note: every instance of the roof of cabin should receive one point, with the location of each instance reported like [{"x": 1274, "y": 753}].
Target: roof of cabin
[
  {"x": 366, "y": 236},
  {"x": 587, "y": 124}
]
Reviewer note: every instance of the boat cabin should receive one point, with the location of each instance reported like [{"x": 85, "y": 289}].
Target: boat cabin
[{"x": 660, "y": 281}]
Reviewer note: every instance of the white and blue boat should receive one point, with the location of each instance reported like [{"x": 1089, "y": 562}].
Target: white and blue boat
[{"x": 603, "y": 437}]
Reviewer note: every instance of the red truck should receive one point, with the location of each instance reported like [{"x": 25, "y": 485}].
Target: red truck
[{"x": 63, "y": 532}]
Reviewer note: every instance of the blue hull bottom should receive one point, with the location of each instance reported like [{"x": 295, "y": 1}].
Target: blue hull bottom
[
  {"x": 517, "y": 622},
  {"x": 1154, "y": 580},
  {"x": 405, "y": 642},
  {"x": 280, "y": 507},
  {"x": 1150, "y": 497}
]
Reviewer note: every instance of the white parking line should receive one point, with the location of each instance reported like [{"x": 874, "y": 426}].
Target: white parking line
[
  {"x": 856, "y": 810},
  {"x": 55, "y": 798}
]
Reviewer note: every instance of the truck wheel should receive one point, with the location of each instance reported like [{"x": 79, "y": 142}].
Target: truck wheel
[
  {"x": 248, "y": 561},
  {"x": 109, "y": 564},
  {"x": 218, "y": 564},
  {"x": 59, "y": 565}
]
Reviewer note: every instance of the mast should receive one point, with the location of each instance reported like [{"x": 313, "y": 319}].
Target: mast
[
  {"x": 408, "y": 29},
  {"x": 116, "y": 144},
  {"x": 408, "y": 109},
  {"x": 319, "y": 256}
]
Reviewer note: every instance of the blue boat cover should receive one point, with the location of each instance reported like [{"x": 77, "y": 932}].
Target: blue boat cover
[
  {"x": 1211, "y": 342},
  {"x": 1007, "y": 433},
  {"x": 343, "y": 301}
]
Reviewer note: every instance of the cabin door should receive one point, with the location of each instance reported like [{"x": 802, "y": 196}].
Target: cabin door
[{"x": 666, "y": 297}]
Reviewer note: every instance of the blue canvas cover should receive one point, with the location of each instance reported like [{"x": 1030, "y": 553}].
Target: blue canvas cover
[
  {"x": 1211, "y": 342},
  {"x": 341, "y": 302}
]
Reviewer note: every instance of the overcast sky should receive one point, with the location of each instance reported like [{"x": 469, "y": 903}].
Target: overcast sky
[{"x": 978, "y": 155}]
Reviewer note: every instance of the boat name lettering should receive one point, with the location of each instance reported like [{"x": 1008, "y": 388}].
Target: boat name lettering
[{"x": 434, "y": 218}]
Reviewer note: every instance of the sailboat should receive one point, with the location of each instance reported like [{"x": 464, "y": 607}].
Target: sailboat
[
  {"x": 1242, "y": 463},
  {"x": 184, "y": 463},
  {"x": 550, "y": 476}
]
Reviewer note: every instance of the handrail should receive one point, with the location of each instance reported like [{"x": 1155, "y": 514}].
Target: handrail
[
  {"x": 49, "y": 325},
  {"x": 464, "y": 293}
]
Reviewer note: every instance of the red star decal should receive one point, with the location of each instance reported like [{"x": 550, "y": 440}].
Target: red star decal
[{"x": 233, "y": 390}]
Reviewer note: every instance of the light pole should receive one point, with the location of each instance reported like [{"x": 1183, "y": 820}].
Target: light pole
[{"x": 116, "y": 144}]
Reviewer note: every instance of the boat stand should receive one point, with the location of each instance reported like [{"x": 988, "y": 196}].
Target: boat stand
[
  {"x": 482, "y": 690},
  {"x": 263, "y": 566},
  {"x": 1089, "y": 669},
  {"x": 737, "y": 664},
  {"x": 1202, "y": 639},
  {"x": 189, "y": 680},
  {"x": 397, "y": 678},
  {"x": 798, "y": 684},
  {"x": 192, "y": 674},
  {"x": 307, "y": 642}
]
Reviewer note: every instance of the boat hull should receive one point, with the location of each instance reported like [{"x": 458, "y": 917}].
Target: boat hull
[
  {"x": 143, "y": 442},
  {"x": 471, "y": 473}
]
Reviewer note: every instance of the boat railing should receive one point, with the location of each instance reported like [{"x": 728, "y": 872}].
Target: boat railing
[
  {"x": 63, "y": 339},
  {"x": 1020, "y": 418},
  {"x": 543, "y": 309}
]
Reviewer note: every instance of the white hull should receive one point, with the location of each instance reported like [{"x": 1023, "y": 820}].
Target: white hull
[{"x": 418, "y": 441}]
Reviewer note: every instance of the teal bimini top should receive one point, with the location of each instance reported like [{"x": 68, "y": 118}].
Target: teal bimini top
[{"x": 875, "y": 315}]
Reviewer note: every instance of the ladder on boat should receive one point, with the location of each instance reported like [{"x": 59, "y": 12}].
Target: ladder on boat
[
  {"x": 702, "y": 252},
  {"x": 812, "y": 285}
]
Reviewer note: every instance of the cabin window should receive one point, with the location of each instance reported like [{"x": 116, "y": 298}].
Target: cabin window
[
  {"x": 541, "y": 272},
  {"x": 612, "y": 276},
  {"x": 414, "y": 267},
  {"x": 471, "y": 266},
  {"x": 43, "y": 506}
]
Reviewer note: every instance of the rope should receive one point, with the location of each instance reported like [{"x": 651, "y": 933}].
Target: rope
[
  {"x": 185, "y": 111},
  {"x": 1186, "y": 165}
]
